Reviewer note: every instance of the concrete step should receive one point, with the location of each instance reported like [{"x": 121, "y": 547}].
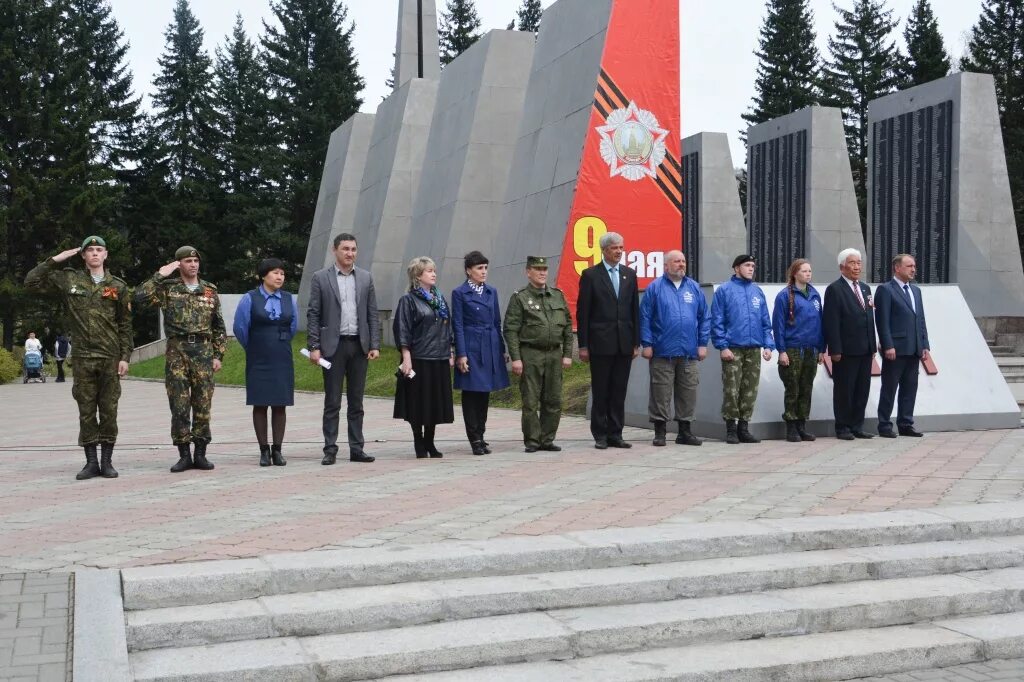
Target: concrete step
[
  {"x": 808, "y": 658},
  {"x": 1010, "y": 361},
  {"x": 292, "y": 573},
  {"x": 585, "y": 632},
  {"x": 378, "y": 608},
  {"x": 1017, "y": 389},
  {"x": 1002, "y": 351}
]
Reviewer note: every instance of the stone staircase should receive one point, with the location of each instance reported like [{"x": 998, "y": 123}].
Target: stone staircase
[
  {"x": 815, "y": 598},
  {"x": 1006, "y": 349}
]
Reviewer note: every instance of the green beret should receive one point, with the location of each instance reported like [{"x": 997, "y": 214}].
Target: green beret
[
  {"x": 186, "y": 252},
  {"x": 93, "y": 240},
  {"x": 536, "y": 262}
]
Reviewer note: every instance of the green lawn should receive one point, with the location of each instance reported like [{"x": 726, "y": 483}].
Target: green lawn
[{"x": 380, "y": 380}]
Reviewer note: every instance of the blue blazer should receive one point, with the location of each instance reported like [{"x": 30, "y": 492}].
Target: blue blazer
[
  {"x": 898, "y": 325},
  {"x": 476, "y": 322}
]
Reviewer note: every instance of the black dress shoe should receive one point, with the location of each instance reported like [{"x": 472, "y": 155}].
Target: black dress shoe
[
  {"x": 845, "y": 435},
  {"x": 550, "y": 447},
  {"x": 600, "y": 445},
  {"x": 329, "y": 460},
  {"x": 887, "y": 433},
  {"x": 530, "y": 448},
  {"x": 361, "y": 457},
  {"x": 910, "y": 431},
  {"x": 619, "y": 443},
  {"x": 863, "y": 435}
]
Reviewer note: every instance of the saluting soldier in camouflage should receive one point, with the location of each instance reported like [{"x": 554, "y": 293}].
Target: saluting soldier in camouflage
[
  {"x": 99, "y": 312},
  {"x": 196, "y": 340},
  {"x": 538, "y": 333}
]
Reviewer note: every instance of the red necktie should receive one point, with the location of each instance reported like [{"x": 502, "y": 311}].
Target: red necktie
[{"x": 856, "y": 290}]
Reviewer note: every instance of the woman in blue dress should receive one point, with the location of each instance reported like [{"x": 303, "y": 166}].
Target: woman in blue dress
[
  {"x": 265, "y": 323},
  {"x": 479, "y": 348}
]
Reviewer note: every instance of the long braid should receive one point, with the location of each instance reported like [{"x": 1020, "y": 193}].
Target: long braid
[{"x": 792, "y": 304}]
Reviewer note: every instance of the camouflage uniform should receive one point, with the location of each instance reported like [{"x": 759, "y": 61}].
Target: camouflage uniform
[
  {"x": 798, "y": 379},
  {"x": 100, "y": 320},
  {"x": 538, "y": 331},
  {"x": 195, "y": 338},
  {"x": 739, "y": 383}
]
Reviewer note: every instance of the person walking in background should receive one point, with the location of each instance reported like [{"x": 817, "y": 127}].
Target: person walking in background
[
  {"x": 196, "y": 340},
  {"x": 344, "y": 328},
  {"x": 479, "y": 348},
  {"x": 903, "y": 334},
  {"x": 674, "y": 332},
  {"x": 100, "y": 317},
  {"x": 608, "y": 327},
  {"x": 265, "y": 324},
  {"x": 538, "y": 330},
  {"x": 849, "y": 326},
  {"x": 423, "y": 334},
  {"x": 796, "y": 325},
  {"x": 61, "y": 352},
  {"x": 741, "y": 330}
]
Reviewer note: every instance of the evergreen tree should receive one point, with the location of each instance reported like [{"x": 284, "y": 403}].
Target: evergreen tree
[
  {"x": 863, "y": 66},
  {"x": 926, "y": 58},
  {"x": 315, "y": 87},
  {"x": 788, "y": 62},
  {"x": 996, "y": 46},
  {"x": 460, "y": 28},
  {"x": 529, "y": 16}
]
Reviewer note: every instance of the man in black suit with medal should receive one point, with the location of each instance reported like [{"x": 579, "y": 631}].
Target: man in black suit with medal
[
  {"x": 608, "y": 328},
  {"x": 849, "y": 323}
]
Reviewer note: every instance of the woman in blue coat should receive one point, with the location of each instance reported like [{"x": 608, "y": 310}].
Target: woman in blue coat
[
  {"x": 479, "y": 348},
  {"x": 265, "y": 322}
]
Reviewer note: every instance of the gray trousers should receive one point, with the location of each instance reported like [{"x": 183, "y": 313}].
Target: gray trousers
[
  {"x": 673, "y": 378},
  {"x": 349, "y": 365}
]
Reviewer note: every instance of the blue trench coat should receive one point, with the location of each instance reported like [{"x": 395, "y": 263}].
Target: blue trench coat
[{"x": 476, "y": 321}]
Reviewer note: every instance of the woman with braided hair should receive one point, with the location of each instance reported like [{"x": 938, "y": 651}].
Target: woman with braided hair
[{"x": 796, "y": 324}]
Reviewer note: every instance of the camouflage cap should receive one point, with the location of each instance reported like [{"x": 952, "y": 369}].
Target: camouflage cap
[
  {"x": 536, "y": 262},
  {"x": 93, "y": 240},
  {"x": 186, "y": 252}
]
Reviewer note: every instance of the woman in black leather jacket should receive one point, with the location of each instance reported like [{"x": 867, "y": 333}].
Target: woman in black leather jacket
[{"x": 423, "y": 333}]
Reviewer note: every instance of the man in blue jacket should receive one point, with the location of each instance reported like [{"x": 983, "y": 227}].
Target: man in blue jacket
[
  {"x": 674, "y": 331},
  {"x": 742, "y": 330}
]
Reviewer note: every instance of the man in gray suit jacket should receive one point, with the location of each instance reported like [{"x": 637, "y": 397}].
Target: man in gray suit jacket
[{"x": 343, "y": 328}]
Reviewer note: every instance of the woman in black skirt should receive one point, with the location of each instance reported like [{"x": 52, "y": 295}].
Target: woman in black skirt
[
  {"x": 265, "y": 322},
  {"x": 423, "y": 333}
]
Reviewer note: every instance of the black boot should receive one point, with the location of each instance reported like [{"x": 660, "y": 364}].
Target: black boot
[
  {"x": 428, "y": 443},
  {"x": 803, "y": 432},
  {"x": 744, "y": 433},
  {"x": 685, "y": 437},
  {"x": 659, "y": 434},
  {"x": 276, "y": 456},
  {"x": 199, "y": 458},
  {"x": 417, "y": 442},
  {"x": 184, "y": 459},
  {"x": 92, "y": 467},
  {"x": 264, "y": 455},
  {"x": 478, "y": 447},
  {"x": 487, "y": 446},
  {"x": 730, "y": 432},
  {"x": 107, "y": 469},
  {"x": 792, "y": 434}
]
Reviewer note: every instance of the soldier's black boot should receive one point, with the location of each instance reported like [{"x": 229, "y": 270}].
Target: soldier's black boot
[
  {"x": 276, "y": 456},
  {"x": 744, "y": 433},
  {"x": 92, "y": 467},
  {"x": 184, "y": 462},
  {"x": 792, "y": 434},
  {"x": 107, "y": 469},
  {"x": 659, "y": 434},
  {"x": 685, "y": 436},
  {"x": 730, "y": 432},
  {"x": 803, "y": 432},
  {"x": 199, "y": 457},
  {"x": 264, "y": 455}
]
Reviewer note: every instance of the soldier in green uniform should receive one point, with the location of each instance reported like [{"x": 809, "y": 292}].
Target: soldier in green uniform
[
  {"x": 100, "y": 318},
  {"x": 196, "y": 339},
  {"x": 538, "y": 333}
]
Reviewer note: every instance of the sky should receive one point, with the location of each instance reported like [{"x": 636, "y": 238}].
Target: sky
[{"x": 717, "y": 60}]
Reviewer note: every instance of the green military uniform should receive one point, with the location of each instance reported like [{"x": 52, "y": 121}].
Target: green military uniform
[
  {"x": 100, "y": 319},
  {"x": 538, "y": 331},
  {"x": 195, "y": 338},
  {"x": 739, "y": 384}
]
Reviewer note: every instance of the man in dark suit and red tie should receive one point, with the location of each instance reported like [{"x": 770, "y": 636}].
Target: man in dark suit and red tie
[
  {"x": 608, "y": 328},
  {"x": 850, "y": 338},
  {"x": 903, "y": 335}
]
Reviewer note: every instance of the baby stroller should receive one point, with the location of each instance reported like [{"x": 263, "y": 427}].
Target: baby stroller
[{"x": 33, "y": 365}]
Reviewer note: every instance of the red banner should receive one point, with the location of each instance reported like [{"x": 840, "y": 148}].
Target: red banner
[{"x": 630, "y": 180}]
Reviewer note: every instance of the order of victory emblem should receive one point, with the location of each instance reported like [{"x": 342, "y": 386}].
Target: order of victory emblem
[{"x": 632, "y": 143}]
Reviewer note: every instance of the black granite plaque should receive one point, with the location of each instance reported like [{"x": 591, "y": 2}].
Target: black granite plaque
[
  {"x": 691, "y": 214},
  {"x": 777, "y": 203},
  {"x": 911, "y": 186}
]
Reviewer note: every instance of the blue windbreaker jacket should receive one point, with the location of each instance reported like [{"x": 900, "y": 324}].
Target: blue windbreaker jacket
[
  {"x": 674, "y": 322},
  {"x": 739, "y": 316},
  {"x": 806, "y": 330}
]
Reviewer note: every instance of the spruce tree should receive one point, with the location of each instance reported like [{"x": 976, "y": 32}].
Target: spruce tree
[
  {"x": 315, "y": 87},
  {"x": 863, "y": 66},
  {"x": 529, "y": 16},
  {"x": 460, "y": 28},
  {"x": 926, "y": 59},
  {"x": 788, "y": 62}
]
